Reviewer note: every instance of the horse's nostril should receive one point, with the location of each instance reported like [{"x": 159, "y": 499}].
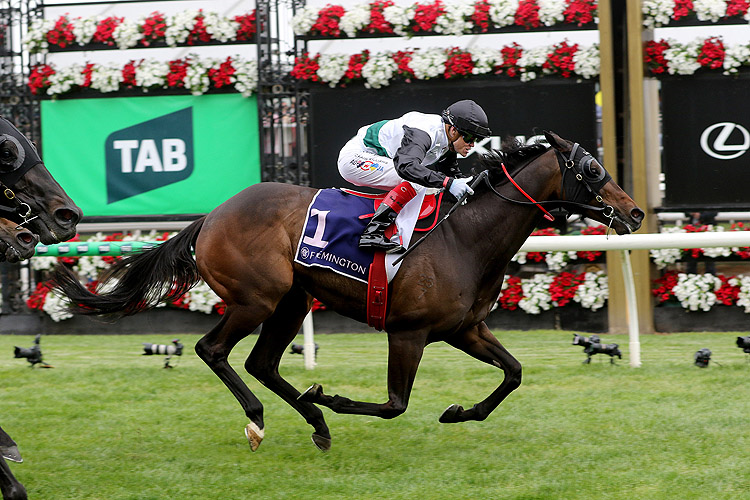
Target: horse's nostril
[
  {"x": 637, "y": 214},
  {"x": 68, "y": 216},
  {"x": 25, "y": 238}
]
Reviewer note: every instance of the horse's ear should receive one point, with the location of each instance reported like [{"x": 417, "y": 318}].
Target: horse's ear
[{"x": 555, "y": 140}]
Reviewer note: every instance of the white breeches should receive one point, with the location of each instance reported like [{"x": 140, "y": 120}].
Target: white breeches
[{"x": 363, "y": 168}]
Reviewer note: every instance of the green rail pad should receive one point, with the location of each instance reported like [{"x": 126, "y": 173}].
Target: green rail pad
[{"x": 98, "y": 248}]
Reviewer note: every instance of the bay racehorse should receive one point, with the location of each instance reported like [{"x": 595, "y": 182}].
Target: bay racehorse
[
  {"x": 244, "y": 250},
  {"x": 16, "y": 242}
]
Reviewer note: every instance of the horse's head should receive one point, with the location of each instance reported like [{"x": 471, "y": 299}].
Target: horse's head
[
  {"x": 586, "y": 181},
  {"x": 29, "y": 195},
  {"x": 16, "y": 243}
]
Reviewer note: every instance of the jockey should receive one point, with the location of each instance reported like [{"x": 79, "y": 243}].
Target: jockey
[{"x": 416, "y": 149}]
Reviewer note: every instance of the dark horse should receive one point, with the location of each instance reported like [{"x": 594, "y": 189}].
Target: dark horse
[
  {"x": 33, "y": 206},
  {"x": 29, "y": 195},
  {"x": 9, "y": 486},
  {"x": 444, "y": 290}
]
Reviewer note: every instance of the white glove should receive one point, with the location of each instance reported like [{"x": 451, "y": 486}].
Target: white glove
[{"x": 460, "y": 186}]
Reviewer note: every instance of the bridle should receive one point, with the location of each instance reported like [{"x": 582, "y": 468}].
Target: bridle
[
  {"x": 18, "y": 208},
  {"x": 579, "y": 164},
  {"x": 586, "y": 186},
  {"x": 11, "y": 173}
]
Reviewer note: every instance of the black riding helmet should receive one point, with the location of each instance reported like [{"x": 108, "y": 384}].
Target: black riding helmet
[{"x": 468, "y": 117}]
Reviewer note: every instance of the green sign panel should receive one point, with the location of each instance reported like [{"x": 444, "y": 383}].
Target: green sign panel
[{"x": 165, "y": 155}]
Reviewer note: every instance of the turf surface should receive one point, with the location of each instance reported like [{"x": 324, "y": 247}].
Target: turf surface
[{"x": 108, "y": 423}]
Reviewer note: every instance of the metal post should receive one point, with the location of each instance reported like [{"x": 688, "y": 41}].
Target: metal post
[
  {"x": 632, "y": 304},
  {"x": 309, "y": 342}
]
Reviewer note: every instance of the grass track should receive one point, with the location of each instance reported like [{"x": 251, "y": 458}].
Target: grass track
[{"x": 107, "y": 423}]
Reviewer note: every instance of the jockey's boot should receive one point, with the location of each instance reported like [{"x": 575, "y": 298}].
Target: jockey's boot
[{"x": 373, "y": 237}]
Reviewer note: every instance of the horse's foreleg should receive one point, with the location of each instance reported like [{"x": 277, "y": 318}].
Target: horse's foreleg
[
  {"x": 9, "y": 485},
  {"x": 8, "y": 448},
  {"x": 214, "y": 349},
  {"x": 263, "y": 363},
  {"x": 480, "y": 343},
  {"x": 404, "y": 354}
]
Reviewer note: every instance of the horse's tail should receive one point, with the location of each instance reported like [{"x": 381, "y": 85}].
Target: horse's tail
[{"x": 138, "y": 282}]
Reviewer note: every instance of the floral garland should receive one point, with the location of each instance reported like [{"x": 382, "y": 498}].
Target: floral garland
[
  {"x": 379, "y": 70},
  {"x": 658, "y": 13},
  {"x": 543, "y": 291},
  {"x": 189, "y": 27},
  {"x": 664, "y": 257},
  {"x": 383, "y": 17},
  {"x": 556, "y": 261},
  {"x": 668, "y": 57},
  {"x": 190, "y": 73},
  {"x": 702, "y": 291}
]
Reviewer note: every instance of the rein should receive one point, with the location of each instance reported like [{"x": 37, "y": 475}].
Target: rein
[
  {"x": 578, "y": 168},
  {"x": 582, "y": 172},
  {"x": 547, "y": 215}
]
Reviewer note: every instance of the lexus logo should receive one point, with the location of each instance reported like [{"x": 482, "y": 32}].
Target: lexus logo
[{"x": 715, "y": 138}]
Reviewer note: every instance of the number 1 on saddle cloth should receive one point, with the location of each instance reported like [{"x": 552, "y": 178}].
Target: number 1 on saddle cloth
[{"x": 335, "y": 220}]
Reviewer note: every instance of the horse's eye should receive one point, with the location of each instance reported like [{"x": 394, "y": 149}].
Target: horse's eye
[{"x": 6, "y": 155}]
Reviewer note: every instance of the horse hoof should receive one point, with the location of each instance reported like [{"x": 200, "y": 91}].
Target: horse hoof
[
  {"x": 323, "y": 443},
  {"x": 11, "y": 453},
  {"x": 311, "y": 394},
  {"x": 450, "y": 415},
  {"x": 254, "y": 435}
]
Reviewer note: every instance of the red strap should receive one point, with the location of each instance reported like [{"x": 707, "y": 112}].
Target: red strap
[
  {"x": 547, "y": 215},
  {"x": 377, "y": 292}
]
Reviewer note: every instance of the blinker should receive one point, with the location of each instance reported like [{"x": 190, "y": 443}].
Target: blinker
[
  {"x": 591, "y": 176},
  {"x": 26, "y": 155},
  {"x": 10, "y": 164},
  {"x": 594, "y": 175}
]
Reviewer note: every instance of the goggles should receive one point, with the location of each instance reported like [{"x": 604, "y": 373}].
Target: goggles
[{"x": 470, "y": 138}]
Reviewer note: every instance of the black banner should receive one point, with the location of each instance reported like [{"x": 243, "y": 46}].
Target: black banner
[
  {"x": 513, "y": 108},
  {"x": 706, "y": 124}
]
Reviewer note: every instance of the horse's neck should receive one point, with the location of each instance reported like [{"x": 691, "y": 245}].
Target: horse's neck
[
  {"x": 499, "y": 234},
  {"x": 493, "y": 230}
]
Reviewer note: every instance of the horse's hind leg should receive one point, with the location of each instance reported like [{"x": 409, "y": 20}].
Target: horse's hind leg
[
  {"x": 237, "y": 323},
  {"x": 480, "y": 343},
  {"x": 277, "y": 333},
  {"x": 9, "y": 486}
]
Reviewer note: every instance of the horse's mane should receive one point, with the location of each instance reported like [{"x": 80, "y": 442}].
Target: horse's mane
[{"x": 514, "y": 154}]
